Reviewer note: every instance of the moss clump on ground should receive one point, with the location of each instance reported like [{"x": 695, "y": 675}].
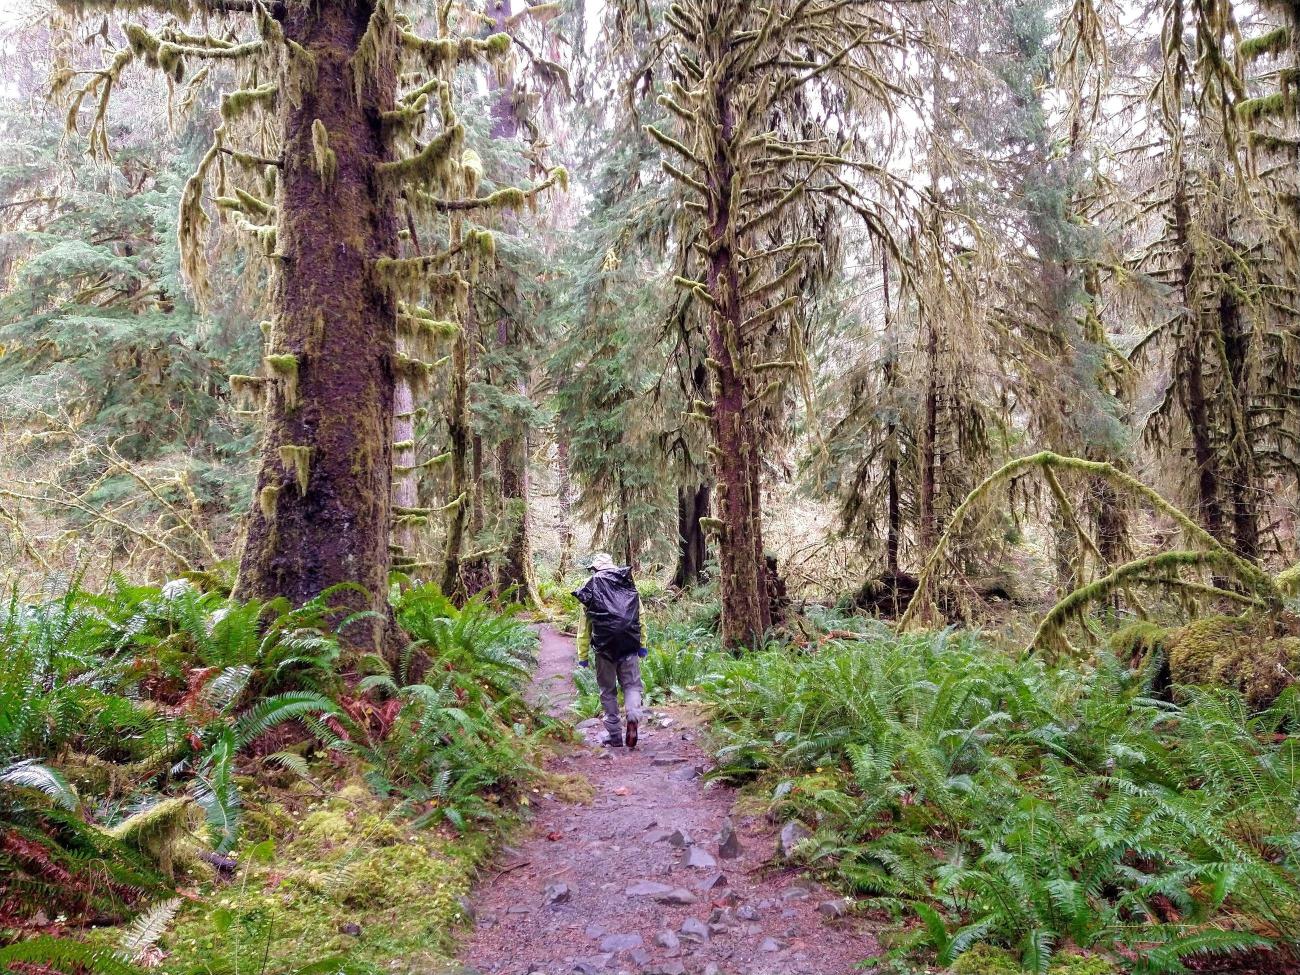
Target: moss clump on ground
[
  {"x": 347, "y": 878},
  {"x": 1250, "y": 655},
  {"x": 985, "y": 959}
]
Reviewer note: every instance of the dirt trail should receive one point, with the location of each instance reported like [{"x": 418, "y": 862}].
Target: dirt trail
[{"x": 634, "y": 881}]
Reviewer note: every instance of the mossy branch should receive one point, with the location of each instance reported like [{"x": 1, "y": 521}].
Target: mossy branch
[
  {"x": 668, "y": 142},
  {"x": 1258, "y": 583},
  {"x": 697, "y": 290}
]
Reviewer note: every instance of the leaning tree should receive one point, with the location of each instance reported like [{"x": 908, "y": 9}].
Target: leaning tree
[
  {"x": 340, "y": 120},
  {"x": 744, "y": 81}
]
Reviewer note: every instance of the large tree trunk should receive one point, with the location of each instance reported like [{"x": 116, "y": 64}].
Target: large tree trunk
[
  {"x": 743, "y": 572},
  {"x": 1242, "y": 493},
  {"x": 515, "y": 570},
  {"x": 692, "y": 547},
  {"x": 323, "y": 515},
  {"x": 516, "y": 567},
  {"x": 459, "y": 438},
  {"x": 1191, "y": 376}
]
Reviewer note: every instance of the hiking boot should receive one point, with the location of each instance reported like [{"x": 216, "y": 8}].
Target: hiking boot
[
  {"x": 631, "y": 733},
  {"x": 612, "y": 742}
]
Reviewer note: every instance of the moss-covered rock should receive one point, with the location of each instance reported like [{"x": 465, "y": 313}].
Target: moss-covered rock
[{"x": 1257, "y": 656}]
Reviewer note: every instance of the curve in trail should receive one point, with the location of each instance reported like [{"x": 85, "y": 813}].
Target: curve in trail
[{"x": 634, "y": 880}]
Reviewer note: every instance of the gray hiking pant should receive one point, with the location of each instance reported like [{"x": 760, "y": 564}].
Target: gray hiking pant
[{"x": 611, "y": 675}]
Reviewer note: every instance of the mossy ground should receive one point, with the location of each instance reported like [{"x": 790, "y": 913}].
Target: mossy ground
[
  {"x": 344, "y": 876},
  {"x": 985, "y": 959}
]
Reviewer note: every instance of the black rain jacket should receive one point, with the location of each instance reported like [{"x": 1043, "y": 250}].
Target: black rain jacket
[{"x": 613, "y": 608}]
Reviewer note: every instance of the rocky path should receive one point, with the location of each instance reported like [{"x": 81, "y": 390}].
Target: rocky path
[{"x": 656, "y": 874}]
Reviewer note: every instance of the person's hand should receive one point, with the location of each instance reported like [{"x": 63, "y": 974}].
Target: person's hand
[
  {"x": 643, "y": 652},
  {"x": 584, "y": 663}
]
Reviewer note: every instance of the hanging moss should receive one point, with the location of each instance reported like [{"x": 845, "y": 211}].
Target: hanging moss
[
  {"x": 1252, "y": 109},
  {"x": 245, "y": 202},
  {"x": 266, "y": 500},
  {"x": 248, "y": 390},
  {"x": 285, "y": 368},
  {"x": 235, "y": 104},
  {"x": 432, "y": 165},
  {"x": 327, "y": 163},
  {"x": 1270, "y": 44},
  {"x": 297, "y": 458},
  {"x": 443, "y": 53}
]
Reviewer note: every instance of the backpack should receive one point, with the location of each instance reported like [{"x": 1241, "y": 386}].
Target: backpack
[{"x": 613, "y": 606}]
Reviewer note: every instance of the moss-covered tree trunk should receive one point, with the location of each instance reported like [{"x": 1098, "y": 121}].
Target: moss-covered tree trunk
[
  {"x": 692, "y": 549},
  {"x": 1191, "y": 376},
  {"x": 323, "y": 506},
  {"x": 515, "y": 567},
  {"x": 746, "y": 613},
  {"x": 1235, "y": 340},
  {"x": 928, "y": 445},
  {"x": 460, "y": 441},
  {"x": 515, "y": 570}
]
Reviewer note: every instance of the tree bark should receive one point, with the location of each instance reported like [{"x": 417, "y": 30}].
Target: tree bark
[
  {"x": 405, "y": 492},
  {"x": 929, "y": 439},
  {"x": 743, "y": 571},
  {"x": 459, "y": 438},
  {"x": 515, "y": 571},
  {"x": 1192, "y": 374},
  {"x": 324, "y": 508},
  {"x": 692, "y": 547}
]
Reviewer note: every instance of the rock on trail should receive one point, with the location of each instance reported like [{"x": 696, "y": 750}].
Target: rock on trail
[{"x": 657, "y": 874}]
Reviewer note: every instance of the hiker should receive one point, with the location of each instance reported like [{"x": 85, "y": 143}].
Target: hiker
[{"x": 612, "y": 627}]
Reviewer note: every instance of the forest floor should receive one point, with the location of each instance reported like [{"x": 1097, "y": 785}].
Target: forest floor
[{"x": 635, "y": 879}]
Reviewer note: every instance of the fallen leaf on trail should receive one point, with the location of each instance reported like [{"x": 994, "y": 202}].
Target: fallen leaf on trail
[
  {"x": 622, "y": 790},
  {"x": 554, "y": 836}
]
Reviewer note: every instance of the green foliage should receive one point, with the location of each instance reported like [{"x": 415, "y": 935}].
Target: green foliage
[
  {"x": 131, "y": 723},
  {"x": 460, "y": 742},
  {"x": 1007, "y": 803},
  {"x": 122, "y": 718},
  {"x": 100, "y": 349}
]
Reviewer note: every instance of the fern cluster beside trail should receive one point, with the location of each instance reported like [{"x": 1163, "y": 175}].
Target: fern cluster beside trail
[
  {"x": 1034, "y": 811},
  {"x": 164, "y": 741}
]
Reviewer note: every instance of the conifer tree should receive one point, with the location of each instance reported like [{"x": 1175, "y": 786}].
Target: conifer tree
[
  {"x": 342, "y": 110},
  {"x": 741, "y": 80}
]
